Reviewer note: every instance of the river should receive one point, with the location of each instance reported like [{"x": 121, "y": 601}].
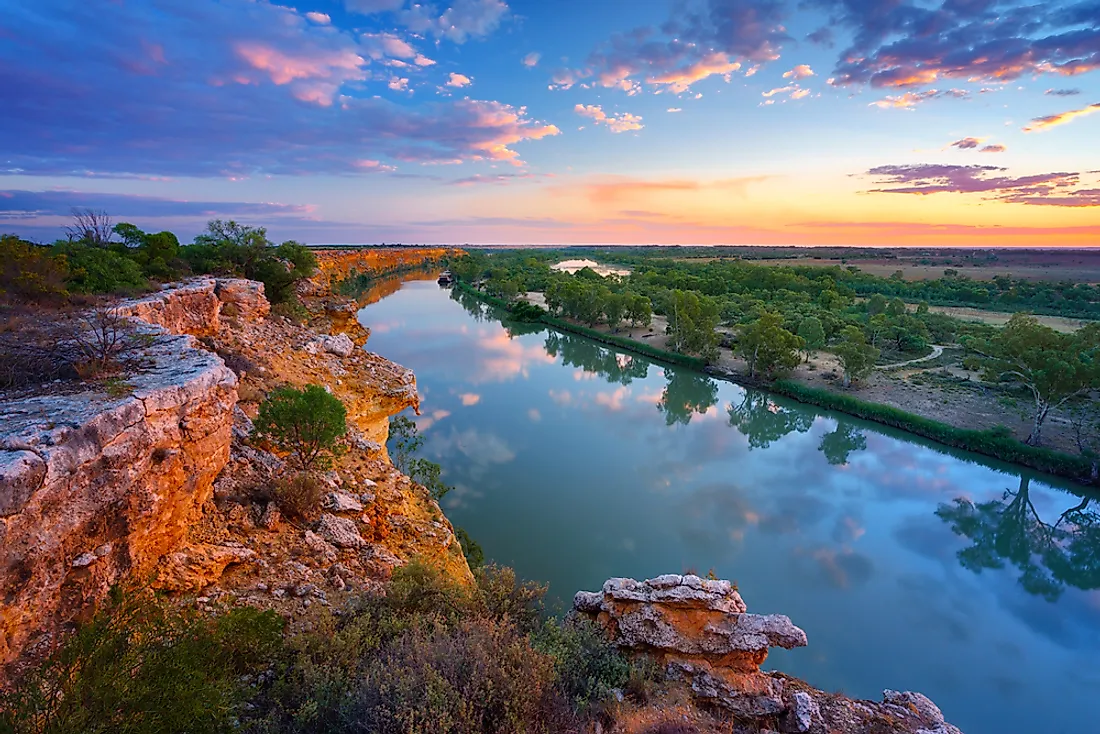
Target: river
[{"x": 910, "y": 566}]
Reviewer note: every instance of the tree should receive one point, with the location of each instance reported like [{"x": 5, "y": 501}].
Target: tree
[
  {"x": 614, "y": 308},
  {"x": 304, "y": 423},
  {"x": 767, "y": 346},
  {"x": 896, "y": 307},
  {"x": 1054, "y": 367},
  {"x": 405, "y": 441},
  {"x": 857, "y": 357},
  {"x": 876, "y": 304},
  {"x": 639, "y": 310},
  {"x": 812, "y": 334},
  {"x": 92, "y": 227},
  {"x": 692, "y": 320}
]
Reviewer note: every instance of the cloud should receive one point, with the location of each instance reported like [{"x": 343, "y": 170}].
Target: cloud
[
  {"x": 20, "y": 204},
  {"x": 469, "y": 398},
  {"x": 531, "y": 60},
  {"x": 381, "y": 45},
  {"x": 966, "y": 143},
  {"x": 912, "y": 99},
  {"x": 465, "y": 19},
  {"x": 1062, "y": 92},
  {"x": 993, "y": 149},
  {"x": 620, "y": 123},
  {"x": 496, "y": 178},
  {"x": 459, "y": 80},
  {"x": 1045, "y": 123},
  {"x": 234, "y": 90},
  {"x": 1044, "y": 189},
  {"x": 399, "y": 84},
  {"x": 799, "y": 72},
  {"x": 614, "y": 189},
  {"x": 690, "y": 47},
  {"x": 903, "y": 43},
  {"x": 366, "y": 7},
  {"x": 795, "y": 92},
  {"x": 318, "y": 18},
  {"x": 674, "y": 109}
]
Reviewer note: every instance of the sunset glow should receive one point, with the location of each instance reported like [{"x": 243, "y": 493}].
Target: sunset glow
[{"x": 493, "y": 122}]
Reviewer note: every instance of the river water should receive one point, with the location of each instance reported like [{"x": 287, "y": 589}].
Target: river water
[{"x": 909, "y": 566}]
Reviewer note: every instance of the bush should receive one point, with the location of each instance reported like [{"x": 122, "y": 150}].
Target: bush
[
  {"x": 305, "y": 423},
  {"x": 588, "y": 666},
  {"x": 505, "y": 597},
  {"x": 30, "y": 273},
  {"x": 525, "y": 311},
  {"x": 475, "y": 556},
  {"x": 479, "y": 677},
  {"x": 98, "y": 270},
  {"x": 300, "y": 496},
  {"x": 142, "y": 665}
]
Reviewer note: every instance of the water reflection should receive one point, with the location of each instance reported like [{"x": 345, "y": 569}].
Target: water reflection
[
  {"x": 1049, "y": 556},
  {"x": 574, "y": 462},
  {"x": 763, "y": 421}
]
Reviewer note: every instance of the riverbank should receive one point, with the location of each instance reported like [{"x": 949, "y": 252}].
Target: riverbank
[{"x": 889, "y": 398}]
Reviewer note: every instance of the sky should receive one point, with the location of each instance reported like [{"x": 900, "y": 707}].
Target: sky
[{"x": 856, "y": 122}]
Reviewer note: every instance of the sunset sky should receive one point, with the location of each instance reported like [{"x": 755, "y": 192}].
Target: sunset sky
[{"x": 886, "y": 122}]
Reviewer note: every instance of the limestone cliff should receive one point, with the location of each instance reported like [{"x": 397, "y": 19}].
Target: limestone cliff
[
  {"x": 335, "y": 266},
  {"x": 152, "y": 477}
]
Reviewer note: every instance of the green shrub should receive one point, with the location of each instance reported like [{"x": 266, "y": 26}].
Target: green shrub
[
  {"x": 99, "y": 270},
  {"x": 305, "y": 423},
  {"x": 525, "y": 311},
  {"x": 588, "y": 666},
  {"x": 142, "y": 665},
  {"x": 505, "y": 597},
  {"x": 475, "y": 556}
]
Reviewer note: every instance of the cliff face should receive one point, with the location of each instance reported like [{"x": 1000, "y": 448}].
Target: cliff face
[
  {"x": 335, "y": 266},
  {"x": 152, "y": 477},
  {"x": 95, "y": 488}
]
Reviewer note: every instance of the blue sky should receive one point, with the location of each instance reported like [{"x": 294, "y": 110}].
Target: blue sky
[{"x": 491, "y": 121}]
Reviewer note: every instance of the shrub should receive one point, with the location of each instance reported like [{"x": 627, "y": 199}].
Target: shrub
[
  {"x": 503, "y": 596},
  {"x": 143, "y": 665},
  {"x": 35, "y": 348},
  {"x": 525, "y": 311},
  {"x": 588, "y": 665},
  {"x": 480, "y": 677},
  {"x": 475, "y": 556},
  {"x": 305, "y": 423},
  {"x": 98, "y": 270},
  {"x": 106, "y": 341},
  {"x": 30, "y": 273},
  {"x": 299, "y": 496}
]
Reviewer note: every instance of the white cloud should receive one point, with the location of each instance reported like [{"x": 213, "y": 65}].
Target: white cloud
[
  {"x": 675, "y": 109},
  {"x": 531, "y": 59},
  {"x": 398, "y": 84},
  {"x": 799, "y": 72},
  {"x": 459, "y": 80},
  {"x": 318, "y": 18}
]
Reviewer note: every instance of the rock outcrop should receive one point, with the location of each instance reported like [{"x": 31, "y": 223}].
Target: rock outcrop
[
  {"x": 95, "y": 488},
  {"x": 700, "y": 632},
  {"x": 335, "y": 266}
]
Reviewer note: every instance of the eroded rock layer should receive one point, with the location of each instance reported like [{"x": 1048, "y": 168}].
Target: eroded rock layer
[{"x": 700, "y": 631}]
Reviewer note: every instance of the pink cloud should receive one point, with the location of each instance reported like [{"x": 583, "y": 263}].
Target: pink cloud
[
  {"x": 320, "y": 71},
  {"x": 459, "y": 80},
  {"x": 799, "y": 72},
  {"x": 1045, "y": 123},
  {"x": 620, "y": 123}
]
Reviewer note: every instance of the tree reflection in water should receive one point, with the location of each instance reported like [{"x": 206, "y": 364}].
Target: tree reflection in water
[
  {"x": 585, "y": 354},
  {"x": 1049, "y": 555},
  {"x": 686, "y": 394},
  {"x": 839, "y": 445},
  {"x": 763, "y": 421}
]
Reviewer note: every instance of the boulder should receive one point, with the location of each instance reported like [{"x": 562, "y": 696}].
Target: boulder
[
  {"x": 245, "y": 297},
  {"x": 341, "y": 345},
  {"x": 341, "y": 502},
  {"x": 340, "y": 531}
]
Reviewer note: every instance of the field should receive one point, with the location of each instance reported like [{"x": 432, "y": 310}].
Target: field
[{"x": 1082, "y": 266}]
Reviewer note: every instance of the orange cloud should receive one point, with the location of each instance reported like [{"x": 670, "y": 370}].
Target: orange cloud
[
  {"x": 1045, "y": 123},
  {"x": 678, "y": 80},
  {"x": 612, "y": 190},
  {"x": 459, "y": 80},
  {"x": 470, "y": 398},
  {"x": 799, "y": 72},
  {"x": 509, "y": 126},
  {"x": 318, "y": 75}
]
